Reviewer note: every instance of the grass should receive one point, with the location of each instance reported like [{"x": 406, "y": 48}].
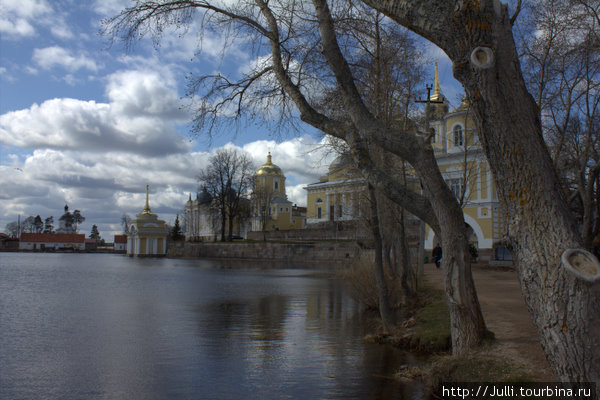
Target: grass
[
  {"x": 432, "y": 327},
  {"x": 477, "y": 366}
]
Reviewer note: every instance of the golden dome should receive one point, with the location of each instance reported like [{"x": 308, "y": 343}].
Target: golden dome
[{"x": 269, "y": 168}]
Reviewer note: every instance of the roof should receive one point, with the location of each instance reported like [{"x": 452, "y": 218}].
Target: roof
[
  {"x": 120, "y": 238},
  {"x": 269, "y": 168},
  {"x": 279, "y": 200},
  {"x": 53, "y": 237}
]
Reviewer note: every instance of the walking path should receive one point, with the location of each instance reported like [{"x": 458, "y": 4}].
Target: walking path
[{"x": 506, "y": 315}]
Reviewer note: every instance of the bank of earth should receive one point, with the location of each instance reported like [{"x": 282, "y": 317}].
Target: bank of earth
[{"x": 514, "y": 355}]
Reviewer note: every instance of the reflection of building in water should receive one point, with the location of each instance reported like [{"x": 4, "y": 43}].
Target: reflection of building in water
[
  {"x": 147, "y": 234},
  {"x": 271, "y": 208},
  {"x": 466, "y": 171},
  {"x": 338, "y": 195}
]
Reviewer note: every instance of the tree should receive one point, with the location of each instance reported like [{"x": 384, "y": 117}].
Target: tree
[
  {"x": 261, "y": 196},
  {"x": 125, "y": 222},
  {"x": 77, "y": 219},
  {"x": 38, "y": 224},
  {"x": 49, "y": 225},
  {"x": 563, "y": 302},
  {"x": 298, "y": 65},
  {"x": 12, "y": 229},
  {"x": 176, "y": 230},
  {"x": 95, "y": 234},
  {"x": 28, "y": 224},
  {"x": 563, "y": 75},
  {"x": 228, "y": 179},
  {"x": 478, "y": 38}
]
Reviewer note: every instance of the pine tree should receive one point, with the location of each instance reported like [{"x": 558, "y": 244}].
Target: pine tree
[{"x": 176, "y": 230}]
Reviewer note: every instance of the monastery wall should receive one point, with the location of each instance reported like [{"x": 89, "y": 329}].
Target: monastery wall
[{"x": 296, "y": 254}]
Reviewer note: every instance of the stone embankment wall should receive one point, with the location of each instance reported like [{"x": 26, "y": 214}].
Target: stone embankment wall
[{"x": 292, "y": 253}]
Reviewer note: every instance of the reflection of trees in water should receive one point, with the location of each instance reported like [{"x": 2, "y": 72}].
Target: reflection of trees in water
[{"x": 315, "y": 330}]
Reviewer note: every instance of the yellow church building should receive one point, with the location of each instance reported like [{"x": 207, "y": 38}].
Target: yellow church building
[
  {"x": 147, "y": 235},
  {"x": 338, "y": 195},
  {"x": 271, "y": 208},
  {"x": 466, "y": 171}
]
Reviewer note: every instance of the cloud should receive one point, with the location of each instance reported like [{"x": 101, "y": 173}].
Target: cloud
[
  {"x": 54, "y": 56},
  {"x": 140, "y": 117},
  {"x": 105, "y": 185},
  {"x": 17, "y": 17}
]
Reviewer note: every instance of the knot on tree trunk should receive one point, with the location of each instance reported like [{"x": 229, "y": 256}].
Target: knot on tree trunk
[
  {"x": 581, "y": 263},
  {"x": 482, "y": 57}
]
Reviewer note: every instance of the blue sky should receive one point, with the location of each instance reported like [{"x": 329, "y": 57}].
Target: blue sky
[{"x": 89, "y": 124}]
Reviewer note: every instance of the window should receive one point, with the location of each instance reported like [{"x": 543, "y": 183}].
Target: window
[
  {"x": 319, "y": 212},
  {"x": 458, "y": 135},
  {"x": 276, "y": 185},
  {"x": 455, "y": 186},
  {"x": 340, "y": 213}
]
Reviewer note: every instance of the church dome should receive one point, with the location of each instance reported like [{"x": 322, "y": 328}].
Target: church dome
[
  {"x": 269, "y": 168},
  {"x": 204, "y": 197},
  {"x": 340, "y": 162}
]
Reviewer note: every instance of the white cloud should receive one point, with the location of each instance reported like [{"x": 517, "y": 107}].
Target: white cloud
[
  {"x": 17, "y": 17},
  {"x": 104, "y": 185},
  {"x": 50, "y": 57},
  {"x": 139, "y": 118}
]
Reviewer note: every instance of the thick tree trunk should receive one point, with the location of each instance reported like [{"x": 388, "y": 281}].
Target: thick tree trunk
[
  {"x": 466, "y": 320},
  {"x": 564, "y": 305},
  {"x": 564, "y": 308}
]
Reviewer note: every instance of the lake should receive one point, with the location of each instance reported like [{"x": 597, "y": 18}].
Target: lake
[{"x": 104, "y": 326}]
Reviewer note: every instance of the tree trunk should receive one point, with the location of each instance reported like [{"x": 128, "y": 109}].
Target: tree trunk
[
  {"x": 564, "y": 305},
  {"x": 564, "y": 308},
  {"x": 407, "y": 273},
  {"x": 385, "y": 309}
]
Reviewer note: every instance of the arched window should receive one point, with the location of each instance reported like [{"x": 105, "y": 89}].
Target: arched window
[{"x": 458, "y": 135}]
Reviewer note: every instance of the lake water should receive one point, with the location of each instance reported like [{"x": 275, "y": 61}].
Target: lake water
[{"x": 100, "y": 326}]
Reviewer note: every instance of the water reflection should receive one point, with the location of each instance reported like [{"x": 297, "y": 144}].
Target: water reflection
[{"x": 107, "y": 327}]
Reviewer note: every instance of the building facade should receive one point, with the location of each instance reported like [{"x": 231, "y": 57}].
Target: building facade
[
  {"x": 338, "y": 195},
  {"x": 120, "y": 243},
  {"x": 466, "y": 171},
  {"x": 52, "y": 241},
  {"x": 147, "y": 235},
  {"x": 271, "y": 209}
]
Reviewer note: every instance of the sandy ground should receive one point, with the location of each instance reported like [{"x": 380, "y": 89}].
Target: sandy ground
[{"x": 506, "y": 315}]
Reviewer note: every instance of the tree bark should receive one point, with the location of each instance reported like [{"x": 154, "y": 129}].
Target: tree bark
[
  {"x": 385, "y": 309},
  {"x": 467, "y": 324},
  {"x": 564, "y": 307}
]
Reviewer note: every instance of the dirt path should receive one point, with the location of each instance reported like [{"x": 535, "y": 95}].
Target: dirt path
[{"x": 506, "y": 315}]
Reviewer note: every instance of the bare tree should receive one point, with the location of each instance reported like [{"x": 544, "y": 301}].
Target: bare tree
[
  {"x": 262, "y": 195},
  {"x": 306, "y": 62},
  {"x": 563, "y": 300},
  {"x": 563, "y": 56},
  {"x": 228, "y": 179},
  {"x": 12, "y": 229}
]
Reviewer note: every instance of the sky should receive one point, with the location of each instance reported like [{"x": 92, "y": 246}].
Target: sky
[{"x": 89, "y": 124}]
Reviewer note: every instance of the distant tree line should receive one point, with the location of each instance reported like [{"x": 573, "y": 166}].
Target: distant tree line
[{"x": 67, "y": 224}]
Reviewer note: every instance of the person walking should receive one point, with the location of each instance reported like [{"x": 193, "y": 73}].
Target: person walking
[{"x": 437, "y": 255}]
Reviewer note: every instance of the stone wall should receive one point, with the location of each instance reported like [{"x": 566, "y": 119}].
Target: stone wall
[
  {"x": 322, "y": 231},
  {"x": 302, "y": 254}
]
